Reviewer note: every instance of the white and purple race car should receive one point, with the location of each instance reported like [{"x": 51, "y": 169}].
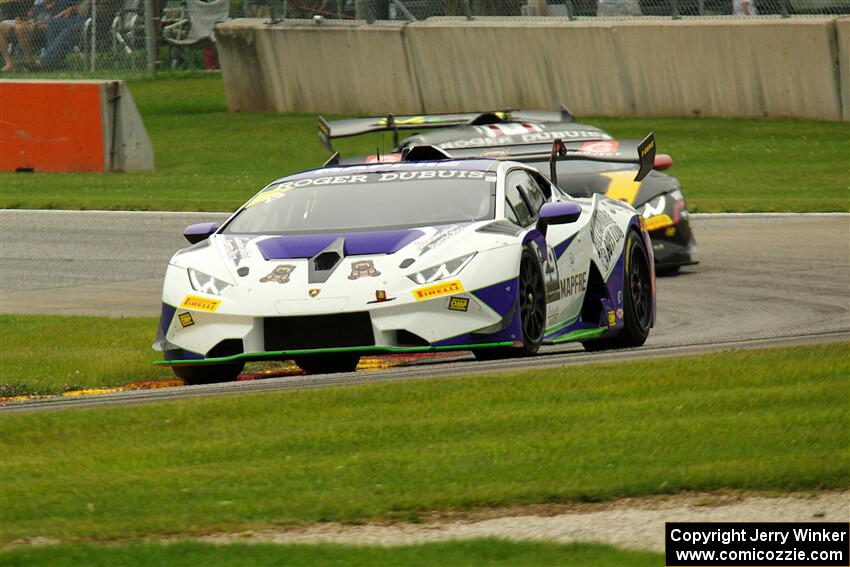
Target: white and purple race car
[{"x": 423, "y": 255}]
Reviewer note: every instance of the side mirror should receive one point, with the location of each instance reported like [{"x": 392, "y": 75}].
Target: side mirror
[
  {"x": 197, "y": 232},
  {"x": 560, "y": 213}
]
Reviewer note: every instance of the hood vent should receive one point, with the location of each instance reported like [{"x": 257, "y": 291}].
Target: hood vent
[{"x": 323, "y": 264}]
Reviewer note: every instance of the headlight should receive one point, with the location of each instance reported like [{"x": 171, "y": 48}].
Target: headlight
[
  {"x": 654, "y": 207},
  {"x": 445, "y": 270},
  {"x": 207, "y": 283}
]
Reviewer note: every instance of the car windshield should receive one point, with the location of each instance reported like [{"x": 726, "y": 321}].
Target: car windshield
[{"x": 369, "y": 201}]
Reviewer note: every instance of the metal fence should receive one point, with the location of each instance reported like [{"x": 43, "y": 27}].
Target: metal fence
[
  {"x": 107, "y": 37},
  {"x": 125, "y": 37}
]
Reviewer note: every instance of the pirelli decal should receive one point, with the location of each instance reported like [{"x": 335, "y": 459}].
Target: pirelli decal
[
  {"x": 200, "y": 303},
  {"x": 437, "y": 290}
]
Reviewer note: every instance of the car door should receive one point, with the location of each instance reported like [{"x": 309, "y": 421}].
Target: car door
[{"x": 567, "y": 265}]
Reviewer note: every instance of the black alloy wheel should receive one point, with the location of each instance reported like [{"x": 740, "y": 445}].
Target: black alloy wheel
[
  {"x": 532, "y": 302},
  {"x": 532, "y": 309},
  {"x": 637, "y": 300}
]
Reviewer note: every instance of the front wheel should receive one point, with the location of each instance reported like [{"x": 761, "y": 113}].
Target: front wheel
[
  {"x": 208, "y": 373},
  {"x": 637, "y": 299},
  {"x": 328, "y": 363},
  {"x": 532, "y": 309}
]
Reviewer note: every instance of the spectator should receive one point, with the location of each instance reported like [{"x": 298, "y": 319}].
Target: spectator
[
  {"x": 6, "y": 28},
  {"x": 744, "y": 8},
  {"x": 63, "y": 31},
  {"x": 257, "y": 9},
  {"x": 28, "y": 31}
]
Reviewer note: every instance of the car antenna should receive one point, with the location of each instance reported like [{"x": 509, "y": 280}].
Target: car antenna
[
  {"x": 378, "y": 153},
  {"x": 333, "y": 160},
  {"x": 391, "y": 123}
]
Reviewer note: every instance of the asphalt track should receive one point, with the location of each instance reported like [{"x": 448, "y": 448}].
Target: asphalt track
[{"x": 763, "y": 280}]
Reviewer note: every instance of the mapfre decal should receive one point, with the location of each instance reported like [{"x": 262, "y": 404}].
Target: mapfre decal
[
  {"x": 200, "y": 303},
  {"x": 437, "y": 290}
]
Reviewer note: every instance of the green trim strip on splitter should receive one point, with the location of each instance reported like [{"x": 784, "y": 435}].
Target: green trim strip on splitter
[
  {"x": 559, "y": 326},
  {"x": 580, "y": 335},
  {"x": 365, "y": 350}
]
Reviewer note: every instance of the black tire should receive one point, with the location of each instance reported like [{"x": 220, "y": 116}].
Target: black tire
[
  {"x": 208, "y": 373},
  {"x": 328, "y": 363},
  {"x": 532, "y": 308},
  {"x": 637, "y": 300}
]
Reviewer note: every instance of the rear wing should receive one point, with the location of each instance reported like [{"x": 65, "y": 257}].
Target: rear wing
[
  {"x": 641, "y": 153},
  {"x": 357, "y": 126}
]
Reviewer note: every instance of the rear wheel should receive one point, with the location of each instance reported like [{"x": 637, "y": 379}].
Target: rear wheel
[
  {"x": 532, "y": 308},
  {"x": 208, "y": 373},
  {"x": 637, "y": 299},
  {"x": 328, "y": 363}
]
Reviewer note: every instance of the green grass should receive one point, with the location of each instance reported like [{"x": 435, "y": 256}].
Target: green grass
[
  {"x": 43, "y": 354},
  {"x": 772, "y": 420},
  {"x": 474, "y": 553},
  {"x": 210, "y": 159}
]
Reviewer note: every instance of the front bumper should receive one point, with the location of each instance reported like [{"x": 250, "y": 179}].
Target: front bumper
[{"x": 466, "y": 312}]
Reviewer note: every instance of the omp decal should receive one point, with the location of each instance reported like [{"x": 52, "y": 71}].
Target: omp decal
[
  {"x": 658, "y": 222},
  {"x": 279, "y": 275},
  {"x": 612, "y": 319},
  {"x": 623, "y": 186},
  {"x": 200, "y": 303},
  {"x": 458, "y": 303},
  {"x": 363, "y": 269},
  {"x": 437, "y": 290},
  {"x": 186, "y": 319}
]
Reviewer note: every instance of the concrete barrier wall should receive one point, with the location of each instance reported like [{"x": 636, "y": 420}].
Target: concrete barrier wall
[
  {"x": 303, "y": 67},
  {"x": 715, "y": 67},
  {"x": 53, "y": 126}
]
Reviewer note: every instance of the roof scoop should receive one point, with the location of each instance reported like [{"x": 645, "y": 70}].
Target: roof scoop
[
  {"x": 322, "y": 265},
  {"x": 423, "y": 152}
]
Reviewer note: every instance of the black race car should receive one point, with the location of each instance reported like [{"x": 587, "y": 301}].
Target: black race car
[{"x": 527, "y": 136}]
